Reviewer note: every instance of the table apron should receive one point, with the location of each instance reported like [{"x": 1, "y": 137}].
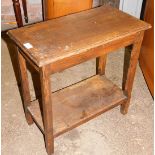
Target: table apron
[
  {"x": 112, "y": 46},
  {"x": 95, "y": 52}
]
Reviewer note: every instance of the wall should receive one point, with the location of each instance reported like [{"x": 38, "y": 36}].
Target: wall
[{"x": 131, "y": 7}]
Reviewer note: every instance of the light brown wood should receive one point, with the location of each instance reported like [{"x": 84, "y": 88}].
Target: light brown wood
[
  {"x": 57, "y": 8},
  {"x": 25, "y": 87},
  {"x": 66, "y": 36},
  {"x": 72, "y": 108},
  {"x": 47, "y": 110},
  {"x": 127, "y": 86},
  {"x": 147, "y": 51}
]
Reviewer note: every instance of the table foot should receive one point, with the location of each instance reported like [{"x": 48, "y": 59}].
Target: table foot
[{"x": 124, "y": 108}]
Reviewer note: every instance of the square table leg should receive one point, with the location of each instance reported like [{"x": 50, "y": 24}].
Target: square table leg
[
  {"x": 129, "y": 78},
  {"x": 47, "y": 110},
  {"x": 101, "y": 64},
  {"x": 25, "y": 87}
]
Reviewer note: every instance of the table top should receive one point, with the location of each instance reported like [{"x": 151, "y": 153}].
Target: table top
[{"x": 59, "y": 38}]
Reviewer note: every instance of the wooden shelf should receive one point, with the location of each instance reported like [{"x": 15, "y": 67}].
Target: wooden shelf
[{"x": 79, "y": 103}]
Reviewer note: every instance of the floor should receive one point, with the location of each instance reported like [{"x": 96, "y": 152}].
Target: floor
[{"x": 109, "y": 134}]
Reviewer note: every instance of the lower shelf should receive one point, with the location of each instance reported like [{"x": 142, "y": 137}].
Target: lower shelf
[{"x": 79, "y": 103}]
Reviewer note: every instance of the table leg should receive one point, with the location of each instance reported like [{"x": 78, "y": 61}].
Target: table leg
[
  {"x": 17, "y": 10},
  {"x": 101, "y": 63},
  {"x": 129, "y": 78},
  {"x": 25, "y": 87},
  {"x": 47, "y": 110},
  {"x": 25, "y": 10}
]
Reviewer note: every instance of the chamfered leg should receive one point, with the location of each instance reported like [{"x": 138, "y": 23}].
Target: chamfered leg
[
  {"x": 101, "y": 64},
  {"x": 25, "y": 87},
  {"x": 129, "y": 76},
  {"x": 47, "y": 110}
]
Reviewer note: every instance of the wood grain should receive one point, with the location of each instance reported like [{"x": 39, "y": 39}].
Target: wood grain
[
  {"x": 17, "y": 10},
  {"x": 95, "y": 52},
  {"x": 147, "y": 51},
  {"x": 47, "y": 110},
  {"x": 57, "y": 8},
  {"x": 101, "y": 64},
  {"x": 72, "y": 108},
  {"x": 127, "y": 86},
  {"x": 64, "y": 42},
  {"x": 66, "y": 36},
  {"x": 48, "y": 9},
  {"x": 25, "y": 87}
]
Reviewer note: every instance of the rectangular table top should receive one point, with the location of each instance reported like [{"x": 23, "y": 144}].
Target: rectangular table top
[{"x": 59, "y": 38}]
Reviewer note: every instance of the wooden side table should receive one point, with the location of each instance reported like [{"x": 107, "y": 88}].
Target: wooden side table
[{"x": 58, "y": 44}]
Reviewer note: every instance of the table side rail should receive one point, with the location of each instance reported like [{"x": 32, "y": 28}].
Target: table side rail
[{"x": 71, "y": 61}]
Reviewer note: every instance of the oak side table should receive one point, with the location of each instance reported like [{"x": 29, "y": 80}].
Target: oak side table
[{"x": 58, "y": 44}]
